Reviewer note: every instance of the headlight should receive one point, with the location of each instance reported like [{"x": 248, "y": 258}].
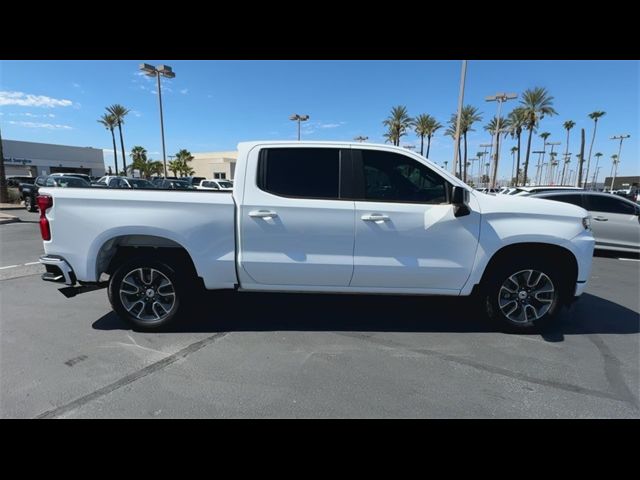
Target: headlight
[{"x": 586, "y": 223}]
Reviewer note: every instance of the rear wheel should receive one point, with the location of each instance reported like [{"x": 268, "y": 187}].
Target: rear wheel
[
  {"x": 524, "y": 296},
  {"x": 146, "y": 293}
]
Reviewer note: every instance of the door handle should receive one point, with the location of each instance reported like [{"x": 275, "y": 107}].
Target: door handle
[
  {"x": 262, "y": 214},
  {"x": 375, "y": 217},
  {"x": 600, "y": 219}
]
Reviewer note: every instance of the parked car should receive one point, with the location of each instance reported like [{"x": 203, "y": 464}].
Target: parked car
[
  {"x": 492, "y": 191},
  {"x": 615, "y": 221},
  {"x": 194, "y": 181},
  {"x": 215, "y": 185},
  {"x": 522, "y": 191},
  {"x": 16, "y": 180},
  {"x": 171, "y": 184},
  {"x": 321, "y": 217},
  {"x": 77, "y": 175},
  {"x": 128, "y": 182},
  {"x": 29, "y": 192},
  {"x": 629, "y": 193}
]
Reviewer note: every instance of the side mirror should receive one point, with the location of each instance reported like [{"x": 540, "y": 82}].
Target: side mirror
[{"x": 460, "y": 201}]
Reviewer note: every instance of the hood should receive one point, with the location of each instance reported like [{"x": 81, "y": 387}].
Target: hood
[{"x": 527, "y": 205}]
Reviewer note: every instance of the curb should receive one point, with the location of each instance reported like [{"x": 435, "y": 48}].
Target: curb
[
  {"x": 9, "y": 220},
  {"x": 17, "y": 207}
]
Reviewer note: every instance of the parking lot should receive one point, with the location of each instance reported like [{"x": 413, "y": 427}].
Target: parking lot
[{"x": 281, "y": 355}]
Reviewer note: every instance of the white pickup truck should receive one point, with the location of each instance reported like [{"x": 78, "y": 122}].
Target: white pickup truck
[{"x": 320, "y": 217}]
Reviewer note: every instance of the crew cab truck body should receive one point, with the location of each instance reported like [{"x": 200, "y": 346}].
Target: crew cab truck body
[{"x": 321, "y": 217}]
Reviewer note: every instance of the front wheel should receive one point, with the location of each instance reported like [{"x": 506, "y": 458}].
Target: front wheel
[
  {"x": 146, "y": 293},
  {"x": 524, "y": 296}
]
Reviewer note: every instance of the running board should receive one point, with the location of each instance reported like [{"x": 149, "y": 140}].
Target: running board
[{"x": 70, "y": 292}]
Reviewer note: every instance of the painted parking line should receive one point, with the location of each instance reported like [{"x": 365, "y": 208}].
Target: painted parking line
[
  {"x": 9, "y": 266},
  {"x": 22, "y": 265},
  {"x": 630, "y": 259},
  {"x": 32, "y": 263}
]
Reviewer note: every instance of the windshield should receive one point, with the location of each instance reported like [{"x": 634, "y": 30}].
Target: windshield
[
  {"x": 72, "y": 182},
  {"x": 179, "y": 185},
  {"x": 225, "y": 184}
]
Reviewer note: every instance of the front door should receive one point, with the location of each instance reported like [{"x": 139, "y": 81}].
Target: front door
[
  {"x": 406, "y": 233},
  {"x": 296, "y": 229},
  {"x": 614, "y": 221}
]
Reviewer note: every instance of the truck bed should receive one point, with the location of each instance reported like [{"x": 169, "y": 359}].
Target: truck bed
[{"x": 87, "y": 222}]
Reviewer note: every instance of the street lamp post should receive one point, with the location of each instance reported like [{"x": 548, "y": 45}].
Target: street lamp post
[
  {"x": 463, "y": 75},
  {"x": 567, "y": 160},
  {"x": 621, "y": 138},
  {"x": 500, "y": 98},
  {"x": 553, "y": 144},
  {"x": 484, "y": 153},
  {"x": 299, "y": 118},
  {"x": 167, "y": 72},
  {"x": 595, "y": 178},
  {"x": 538, "y": 166}
]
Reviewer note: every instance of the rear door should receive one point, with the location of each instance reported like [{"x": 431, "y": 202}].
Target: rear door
[
  {"x": 614, "y": 221},
  {"x": 297, "y": 228}
]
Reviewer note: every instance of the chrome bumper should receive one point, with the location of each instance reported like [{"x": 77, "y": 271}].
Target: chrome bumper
[{"x": 58, "y": 270}]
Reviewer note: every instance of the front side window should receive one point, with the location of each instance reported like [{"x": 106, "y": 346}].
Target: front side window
[
  {"x": 567, "y": 198},
  {"x": 603, "y": 203},
  {"x": 392, "y": 177},
  {"x": 300, "y": 172}
]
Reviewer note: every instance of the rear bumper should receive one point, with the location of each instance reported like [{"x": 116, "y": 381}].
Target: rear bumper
[{"x": 58, "y": 270}]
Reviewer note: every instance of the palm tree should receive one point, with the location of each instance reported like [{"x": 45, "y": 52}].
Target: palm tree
[
  {"x": 568, "y": 125},
  {"x": 451, "y": 132},
  {"x": 174, "y": 167},
  {"x": 536, "y": 103},
  {"x": 514, "y": 175},
  {"x": 138, "y": 153},
  {"x": 119, "y": 112},
  {"x": 491, "y": 127},
  {"x": 425, "y": 126},
  {"x": 593, "y": 116},
  {"x": 469, "y": 116},
  {"x": 398, "y": 123},
  {"x": 515, "y": 123},
  {"x": 110, "y": 122}
]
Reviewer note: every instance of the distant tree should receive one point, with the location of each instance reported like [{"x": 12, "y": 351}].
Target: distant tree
[
  {"x": 425, "y": 126},
  {"x": 536, "y": 103},
  {"x": 470, "y": 115},
  {"x": 515, "y": 122},
  {"x": 109, "y": 121},
  {"x": 397, "y": 123},
  {"x": 119, "y": 112}
]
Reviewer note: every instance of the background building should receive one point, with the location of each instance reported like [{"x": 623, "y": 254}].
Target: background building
[
  {"x": 622, "y": 182},
  {"x": 215, "y": 164},
  {"x": 33, "y": 159}
]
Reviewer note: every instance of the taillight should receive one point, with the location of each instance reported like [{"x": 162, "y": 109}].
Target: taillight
[{"x": 44, "y": 202}]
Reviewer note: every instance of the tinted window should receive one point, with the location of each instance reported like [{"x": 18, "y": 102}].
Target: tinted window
[
  {"x": 114, "y": 182},
  {"x": 40, "y": 181},
  {"x": 397, "y": 178},
  {"x": 603, "y": 203},
  {"x": 72, "y": 182},
  {"x": 137, "y": 183},
  {"x": 50, "y": 182},
  {"x": 573, "y": 199},
  {"x": 300, "y": 172}
]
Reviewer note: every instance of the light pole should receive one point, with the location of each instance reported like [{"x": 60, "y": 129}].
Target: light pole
[
  {"x": 361, "y": 139},
  {"x": 621, "y": 138},
  {"x": 595, "y": 178},
  {"x": 463, "y": 75},
  {"x": 567, "y": 160},
  {"x": 167, "y": 72},
  {"x": 538, "y": 167},
  {"x": 299, "y": 118},
  {"x": 500, "y": 98}
]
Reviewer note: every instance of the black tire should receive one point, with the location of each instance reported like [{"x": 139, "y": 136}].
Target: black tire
[
  {"x": 29, "y": 204},
  {"x": 159, "y": 304},
  {"x": 531, "y": 312}
]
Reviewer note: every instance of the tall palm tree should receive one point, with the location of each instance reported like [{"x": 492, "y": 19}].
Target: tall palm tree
[
  {"x": 491, "y": 127},
  {"x": 119, "y": 112},
  {"x": 515, "y": 123},
  {"x": 451, "y": 132},
  {"x": 110, "y": 122},
  {"x": 398, "y": 123},
  {"x": 535, "y": 103},
  {"x": 567, "y": 161},
  {"x": 514, "y": 175},
  {"x": 138, "y": 153},
  {"x": 425, "y": 126},
  {"x": 174, "y": 166},
  {"x": 568, "y": 125},
  {"x": 470, "y": 115},
  {"x": 593, "y": 116}
]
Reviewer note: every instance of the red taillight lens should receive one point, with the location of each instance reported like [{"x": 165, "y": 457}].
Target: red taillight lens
[{"x": 44, "y": 202}]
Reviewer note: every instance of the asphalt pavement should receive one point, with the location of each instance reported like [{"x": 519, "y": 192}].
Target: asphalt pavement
[{"x": 319, "y": 356}]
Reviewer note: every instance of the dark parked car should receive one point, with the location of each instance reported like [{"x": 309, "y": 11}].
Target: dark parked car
[
  {"x": 29, "y": 192},
  {"x": 15, "y": 180},
  {"x": 172, "y": 184},
  {"x": 193, "y": 181},
  {"x": 127, "y": 182}
]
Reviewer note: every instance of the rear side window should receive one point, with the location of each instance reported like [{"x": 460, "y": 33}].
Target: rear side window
[
  {"x": 300, "y": 172},
  {"x": 572, "y": 199},
  {"x": 602, "y": 203}
]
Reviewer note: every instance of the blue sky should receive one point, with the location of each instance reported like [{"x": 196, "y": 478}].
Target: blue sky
[{"x": 213, "y": 105}]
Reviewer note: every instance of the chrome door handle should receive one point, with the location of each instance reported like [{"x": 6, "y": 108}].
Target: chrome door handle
[
  {"x": 600, "y": 219},
  {"x": 375, "y": 217},
  {"x": 262, "y": 214}
]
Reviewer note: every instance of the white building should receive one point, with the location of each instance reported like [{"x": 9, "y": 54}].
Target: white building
[
  {"x": 33, "y": 159},
  {"x": 221, "y": 165}
]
